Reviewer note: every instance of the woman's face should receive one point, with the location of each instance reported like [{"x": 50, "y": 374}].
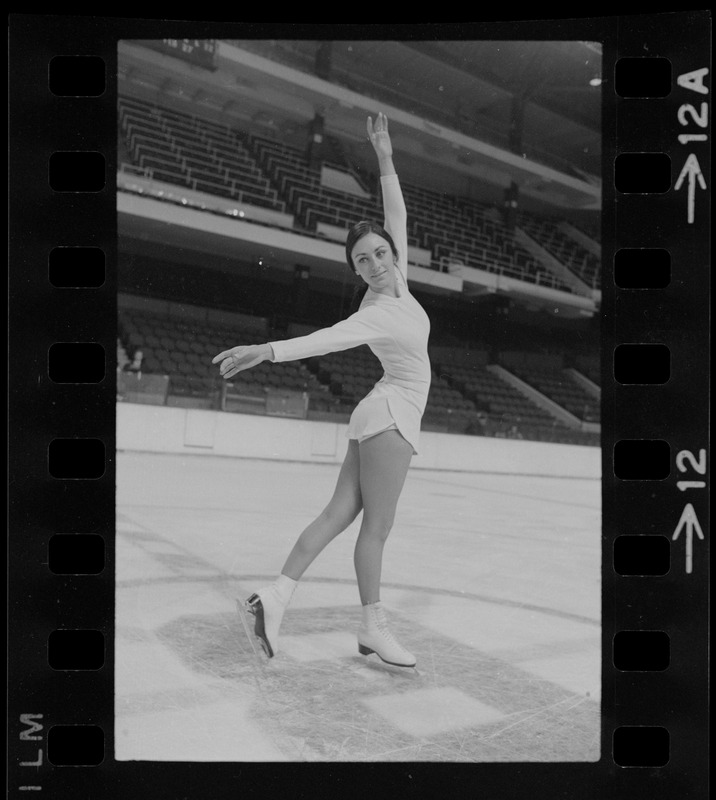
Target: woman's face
[{"x": 374, "y": 261}]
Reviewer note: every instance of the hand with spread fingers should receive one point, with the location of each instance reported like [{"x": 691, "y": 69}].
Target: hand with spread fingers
[
  {"x": 379, "y": 136},
  {"x": 242, "y": 357}
]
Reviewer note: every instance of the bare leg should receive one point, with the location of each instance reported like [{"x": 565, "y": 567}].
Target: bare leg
[
  {"x": 384, "y": 462},
  {"x": 343, "y": 508}
]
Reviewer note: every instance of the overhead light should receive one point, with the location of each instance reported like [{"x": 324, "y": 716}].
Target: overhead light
[{"x": 595, "y": 82}]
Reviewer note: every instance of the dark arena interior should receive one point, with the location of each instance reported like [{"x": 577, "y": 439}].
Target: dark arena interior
[{"x": 242, "y": 164}]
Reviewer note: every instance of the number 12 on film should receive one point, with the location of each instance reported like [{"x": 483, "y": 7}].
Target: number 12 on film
[{"x": 688, "y": 522}]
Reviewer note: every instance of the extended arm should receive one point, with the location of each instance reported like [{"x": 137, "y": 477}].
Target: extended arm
[{"x": 363, "y": 327}]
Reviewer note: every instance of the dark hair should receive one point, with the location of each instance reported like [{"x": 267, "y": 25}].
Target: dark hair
[{"x": 358, "y": 231}]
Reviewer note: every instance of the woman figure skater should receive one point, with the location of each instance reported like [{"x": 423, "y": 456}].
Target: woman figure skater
[{"x": 384, "y": 428}]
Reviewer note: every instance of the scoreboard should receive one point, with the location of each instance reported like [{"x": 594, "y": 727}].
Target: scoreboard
[{"x": 200, "y": 52}]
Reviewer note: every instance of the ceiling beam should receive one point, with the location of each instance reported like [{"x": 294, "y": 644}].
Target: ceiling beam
[{"x": 436, "y": 52}]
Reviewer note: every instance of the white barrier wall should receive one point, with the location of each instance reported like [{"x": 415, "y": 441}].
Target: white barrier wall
[{"x": 163, "y": 429}]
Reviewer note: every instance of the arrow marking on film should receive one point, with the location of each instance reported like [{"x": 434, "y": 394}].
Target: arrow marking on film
[
  {"x": 692, "y": 169},
  {"x": 690, "y": 523}
]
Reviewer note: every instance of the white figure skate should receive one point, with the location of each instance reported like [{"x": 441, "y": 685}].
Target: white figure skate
[{"x": 374, "y": 636}]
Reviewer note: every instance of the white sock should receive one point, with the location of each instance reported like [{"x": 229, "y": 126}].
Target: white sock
[{"x": 285, "y": 587}]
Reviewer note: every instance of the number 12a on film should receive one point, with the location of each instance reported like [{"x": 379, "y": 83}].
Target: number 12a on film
[{"x": 688, "y": 114}]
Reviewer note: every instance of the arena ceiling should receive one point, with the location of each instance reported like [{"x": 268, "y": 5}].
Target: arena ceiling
[{"x": 472, "y": 87}]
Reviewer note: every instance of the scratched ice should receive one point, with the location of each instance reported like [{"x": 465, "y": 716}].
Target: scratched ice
[{"x": 493, "y": 581}]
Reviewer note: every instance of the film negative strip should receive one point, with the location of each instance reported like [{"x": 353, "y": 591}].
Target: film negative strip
[{"x": 655, "y": 334}]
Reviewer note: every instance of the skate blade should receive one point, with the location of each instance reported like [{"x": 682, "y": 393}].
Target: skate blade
[
  {"x": 255, "y": 607},
  {"x": 247, "y": 626},
  {"x": 366, "y": 651}
]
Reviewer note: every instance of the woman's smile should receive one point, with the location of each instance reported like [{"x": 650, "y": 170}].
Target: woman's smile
[{"x": 373, "y": 258}]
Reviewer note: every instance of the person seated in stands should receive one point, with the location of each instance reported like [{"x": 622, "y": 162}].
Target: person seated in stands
[
  {"x": 135, "y": 365},
  {"x": 477, "y": 426}
]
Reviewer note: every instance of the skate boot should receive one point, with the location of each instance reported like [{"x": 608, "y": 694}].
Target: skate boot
[
  {"x": 374, "y": 637},
  {"x": 268, "y": 606}
]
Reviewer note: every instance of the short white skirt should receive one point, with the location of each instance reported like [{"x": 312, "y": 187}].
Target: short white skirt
[{"x": 370, "y": 417}]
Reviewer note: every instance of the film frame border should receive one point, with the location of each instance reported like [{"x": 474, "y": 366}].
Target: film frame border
[{"x": 41, "y": 411}]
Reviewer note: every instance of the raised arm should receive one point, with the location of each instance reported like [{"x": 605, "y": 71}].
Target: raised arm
[{"x": 396, "y": 215}]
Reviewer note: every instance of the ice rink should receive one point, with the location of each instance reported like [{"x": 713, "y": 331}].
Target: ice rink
[{"x": 492, "y": 581}]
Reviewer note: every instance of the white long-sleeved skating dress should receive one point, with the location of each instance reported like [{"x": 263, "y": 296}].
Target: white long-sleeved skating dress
[{"x": 396, "y": 329}]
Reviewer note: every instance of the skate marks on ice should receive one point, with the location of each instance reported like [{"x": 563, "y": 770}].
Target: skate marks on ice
[
  {"x": 201, "y": 694},
  {"x": 319, "y": 700},
  {"x": 507, "y": 670}
]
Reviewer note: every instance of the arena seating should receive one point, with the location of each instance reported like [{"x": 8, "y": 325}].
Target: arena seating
[
  {"x": 581, "y": 262},
  {"x": 185, "y": 150},
  {"x": 560, "y": 386},
  {"x": 183, "y": 349},
  {"x": 590, "y": 229},
  {"x": 456, "y": 232},
  {"x": 498, "y": 399},
  {"x": 463, "y": 398},
  {"x": 197, "y": 153},
  {"x": 589, "y": 367},
  {"x": 461, "y": 231}
]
